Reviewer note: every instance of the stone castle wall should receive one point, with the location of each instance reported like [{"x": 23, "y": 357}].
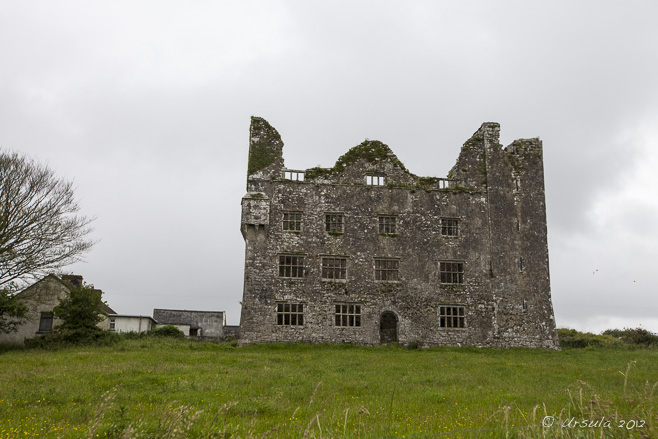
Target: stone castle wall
[{"x": 495, "y": 198}]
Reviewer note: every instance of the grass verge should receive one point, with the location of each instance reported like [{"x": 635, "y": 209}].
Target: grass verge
[{"x": 166, "y": 388}]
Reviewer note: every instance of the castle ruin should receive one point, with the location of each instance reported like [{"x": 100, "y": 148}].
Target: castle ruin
[{"x": 366, "y": 252}]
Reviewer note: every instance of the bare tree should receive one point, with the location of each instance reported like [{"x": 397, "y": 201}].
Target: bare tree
[{"x": 40, "y": 229}]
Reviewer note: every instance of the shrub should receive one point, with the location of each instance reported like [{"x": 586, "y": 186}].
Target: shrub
[
  {"x": 72, "y": 337},
  {"x": 637, "y": 336},
  {"x": 167, "y": 331},
  {"x": 570, "y": 338}
]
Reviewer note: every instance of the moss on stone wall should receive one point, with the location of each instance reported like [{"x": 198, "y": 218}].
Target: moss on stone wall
[
  {"x": 369, "y": 150},
  {"x": 260, "y": 157},
  {"x": 265, "y": 145}
]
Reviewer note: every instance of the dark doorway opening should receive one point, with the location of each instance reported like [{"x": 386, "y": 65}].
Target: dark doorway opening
[{"x": 388, "y": 327}]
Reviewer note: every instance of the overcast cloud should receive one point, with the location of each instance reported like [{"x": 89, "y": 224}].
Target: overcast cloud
[{"x": 146, "y": 106}]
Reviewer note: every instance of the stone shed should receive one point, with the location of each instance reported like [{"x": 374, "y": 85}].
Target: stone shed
[
  {"x": 366, "y": 252},
  {"x": 202, "y": 324}
]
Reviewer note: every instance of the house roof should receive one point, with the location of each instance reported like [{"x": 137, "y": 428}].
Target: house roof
[{"x": 114, "y": 315}]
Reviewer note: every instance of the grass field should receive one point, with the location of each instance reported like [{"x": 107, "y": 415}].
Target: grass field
[{"x": 177, "y": 388}]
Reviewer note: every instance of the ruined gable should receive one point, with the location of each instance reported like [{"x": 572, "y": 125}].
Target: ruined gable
[{"x": 367, "y": 252}]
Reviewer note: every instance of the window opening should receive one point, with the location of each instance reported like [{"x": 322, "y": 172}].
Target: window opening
[
  {"x": 291, "y": 266},
  {"x": 290, "y": 314},
  {"x": 334, "y": 268},
  {"x": 451, "y": 317},
  {"x": 46, "y": 322},
  {"x": 449, "y": 227},
  {"x": 375, "y": 180},
  {"x": 387, "y": 224},
  {"x": 292, "y": 221},
  {"x": 334, "y": 222},
  {"x": 348, "y": 314},
  {"x": 293, "y": 175},
  {"x": 387, "y": 269},
  {"x": 451, "y": 272}
]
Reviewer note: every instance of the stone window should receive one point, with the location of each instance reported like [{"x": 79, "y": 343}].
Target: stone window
[
  {"x": 113, "y": 323},
  {"x": 292, "y": 221},
  {"x": 291, "y": 265},
  {"x": 451, "y": 272},
  {"x": 375, "y": 180},
  {"x": 334, "y": 267},
  {"x": 46, "y": 322},
  {"x": 293, "y": 175},
  {"x": 290, "y": 314},
  {"x": 451, "y": 317},
  {"x": 521, "y": 263},
  {"x": 449, "y": 227},
  {"x": 387, "y": 269},
  {"x": 334, "y": 222},
  {"x": 348, "y": 314},
  {"x": 387, "y": 224}
]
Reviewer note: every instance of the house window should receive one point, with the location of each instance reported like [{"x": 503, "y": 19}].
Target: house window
[
  {"x": 289, "y": 314},
  {"x": 387, "y": 269},
  {"x": 452, "y": 272},
  {"x": 387, "y": 224},
  {"x": 293, "y": 175},
  {"x": 291, "y": 265},
  {"x": 451, "y": 317},
  {"x": 46, "y": 322},
  {"x": 113, "y": 323},
  {"x": 292, "y": 221},
  {"x": 348, "y": 314},
  {"x": 449, "y": 227},
  {"x": 334, "y": 267},
  {"x": 334, "y": 222},
  {"x": 375, "y": 180}
]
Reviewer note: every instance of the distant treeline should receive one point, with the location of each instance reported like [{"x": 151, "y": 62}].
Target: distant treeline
[{"x": 570, "y": 338}]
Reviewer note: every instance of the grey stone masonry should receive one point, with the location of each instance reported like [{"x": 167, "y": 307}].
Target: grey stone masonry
[{"x": 366, "y": 252}]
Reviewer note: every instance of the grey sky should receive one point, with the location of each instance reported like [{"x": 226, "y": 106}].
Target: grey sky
[{"x": 146, "y": 106}]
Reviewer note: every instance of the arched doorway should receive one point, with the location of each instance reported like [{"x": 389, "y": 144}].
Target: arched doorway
[{"x": 388, "y": 327}]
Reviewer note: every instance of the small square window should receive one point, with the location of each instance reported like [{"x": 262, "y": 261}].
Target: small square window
[
  {"x": 375, "y": 180},
  {"x": 387, "y": 269},
  {"x": 290, "y": 314},
  {"x": 291, "y": 266},
  {"x": 449, "y": 227},
  {"x": 334, "y": 222},
  {"x": 451, "y": 272},
  {"x": 292, "y": 221},
  {"x": 387, "y": 224},
  {"x": 348, "y": 314},
  {"x": 451, "y": 317}
]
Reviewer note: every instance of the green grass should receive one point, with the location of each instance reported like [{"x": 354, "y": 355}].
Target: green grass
[{"x": 179, "y": 388}]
